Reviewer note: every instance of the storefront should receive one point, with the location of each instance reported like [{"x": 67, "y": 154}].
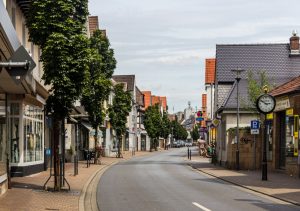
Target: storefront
[
  {"x": 285, "y": 134},
  {"x": 26, "y": 135}
]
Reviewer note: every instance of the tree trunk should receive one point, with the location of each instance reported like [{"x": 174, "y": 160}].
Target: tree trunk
[
  {"x": 155, "y": 144},
  {"x": 119, "y": 147},
  {"x": 55, "y": 151},
  {"x": 95, "y": 147}
]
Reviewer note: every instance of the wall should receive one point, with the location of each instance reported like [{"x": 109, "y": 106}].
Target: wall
[{"x": 226, "y": 147}]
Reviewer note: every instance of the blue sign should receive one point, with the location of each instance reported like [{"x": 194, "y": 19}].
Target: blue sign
[
  {"x": 254, "y": 124},
  {"x": 48, "y": 152},
  {"x": 199, "y": 119}
]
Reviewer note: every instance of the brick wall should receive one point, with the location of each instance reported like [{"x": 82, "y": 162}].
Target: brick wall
[{"x": 93, "y": 24}]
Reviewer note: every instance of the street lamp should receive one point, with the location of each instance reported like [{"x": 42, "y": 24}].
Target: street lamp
[{"x": 237, "y": 78}]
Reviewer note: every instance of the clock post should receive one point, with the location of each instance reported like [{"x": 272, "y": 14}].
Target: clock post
[
  {"x": 265, "y": 104},
  {"x": 264, "y": 166}
]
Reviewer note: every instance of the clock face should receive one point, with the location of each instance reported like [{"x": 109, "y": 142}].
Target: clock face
[{"x": 266, "y": 103}]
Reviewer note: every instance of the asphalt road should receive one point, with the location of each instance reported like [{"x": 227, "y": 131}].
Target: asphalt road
[{"x": 163, "y": 181}]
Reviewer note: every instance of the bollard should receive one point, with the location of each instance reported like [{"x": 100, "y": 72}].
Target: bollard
[{"x": 190, "y": 154}]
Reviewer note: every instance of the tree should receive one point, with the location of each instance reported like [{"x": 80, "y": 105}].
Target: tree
[
  {"x": 179, "y": 132},
  {"x": 195, "y": 133},
  {"x": 152, "y": 123},
  {"x": 255, "y": 86},
  {"x": 98, "y": 85},
  {"x": 165, "y": 128},
  {"x": 119, "y": 112},
  {"x": 58, "y": 28}
]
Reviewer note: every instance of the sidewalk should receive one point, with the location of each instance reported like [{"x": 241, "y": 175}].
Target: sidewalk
[
  {"x": 27, "y": 192},
  {"x": 278, "y": 185}
]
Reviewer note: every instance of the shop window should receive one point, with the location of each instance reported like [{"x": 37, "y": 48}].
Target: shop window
[
  {"x": 290, "y": 142},
  {"x": 15, "y": 150},
  {"x": 14, "y": 132},
  {"x": 33, "y": 133}
]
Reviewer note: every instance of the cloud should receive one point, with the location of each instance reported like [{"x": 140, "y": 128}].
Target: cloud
[{"x": 165, "y": 43}]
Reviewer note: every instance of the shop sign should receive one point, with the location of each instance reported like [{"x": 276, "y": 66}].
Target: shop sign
[
  {"x": 270, "y": 116},
  {"x": 282, "y": 104},
  {"x": 289, "y": 112}
]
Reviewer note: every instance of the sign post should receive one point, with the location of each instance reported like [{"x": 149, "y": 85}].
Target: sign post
[{"x": 254, "y": 130}]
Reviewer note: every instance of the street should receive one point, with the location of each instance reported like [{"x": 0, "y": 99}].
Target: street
[{"x": 163, "y": 181}]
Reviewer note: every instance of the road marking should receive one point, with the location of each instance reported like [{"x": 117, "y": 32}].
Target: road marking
[{"x": 201, "y": 207}]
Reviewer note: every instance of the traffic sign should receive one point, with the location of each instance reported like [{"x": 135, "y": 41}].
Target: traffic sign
[
  {"x": 254, "y": 124},
  {"x": 254, "y": 131},
  {"x": 199, "y": 119}
]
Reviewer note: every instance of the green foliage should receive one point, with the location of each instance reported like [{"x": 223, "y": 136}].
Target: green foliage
[
  {"x": 152, "y": 122},
  {"x": 120, "y": 109},
  {"x": 46, "y": 17},
  {"x": 195, "y": 133},
  {"x": 179, "y": 132},
  {"x": 256, "y": 84},
  {"x": 165, "y": 128},
  {"x": 98, "y": 84},
  {"x": 57, "y": 27}
]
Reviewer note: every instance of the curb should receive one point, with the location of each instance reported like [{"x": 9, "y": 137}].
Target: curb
[
  {"x": 237, "y": 184},
  {"x": 84, "y": 192},
  {"x": 92, "y": 192}
]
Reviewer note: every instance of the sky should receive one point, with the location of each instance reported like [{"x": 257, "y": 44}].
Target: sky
[{"x": 164, "y": 43}]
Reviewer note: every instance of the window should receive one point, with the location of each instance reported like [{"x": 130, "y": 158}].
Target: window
[
  {"x": 14, "y": 132},
  {"x": 33, "y": 133},
  {"x": 32, "y": 50},
  {"x": 23, "y": 35},
  {"x": 289, "y": 137}
]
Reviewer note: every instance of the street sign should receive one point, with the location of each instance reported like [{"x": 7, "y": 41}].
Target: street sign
[
  {"x": 199, "y": 119},
  {"x": 254, "y": 124},
  {"x": 254, "y": 131}
]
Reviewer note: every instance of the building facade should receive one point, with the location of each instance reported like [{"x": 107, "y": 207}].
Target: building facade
[
  {"x": 22, "y": 97},
  {"x": 255, "y": 59}
]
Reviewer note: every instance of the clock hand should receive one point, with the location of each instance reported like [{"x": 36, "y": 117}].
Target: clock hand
[{"x": 265, "y": 102}]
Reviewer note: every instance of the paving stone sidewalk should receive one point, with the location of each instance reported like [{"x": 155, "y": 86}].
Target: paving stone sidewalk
[
  {"x": 278, "y": 185},
  {"x": 27, "y": 193}
]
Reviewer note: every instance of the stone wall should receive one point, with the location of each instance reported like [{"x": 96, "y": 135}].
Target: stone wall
[{"x": 246, "y": 152}]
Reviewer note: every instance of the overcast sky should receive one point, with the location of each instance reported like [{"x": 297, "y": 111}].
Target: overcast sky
[{"x": 165, "y": 42}]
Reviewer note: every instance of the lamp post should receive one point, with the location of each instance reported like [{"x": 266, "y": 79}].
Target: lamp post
[{"x": 237, "y": 153}]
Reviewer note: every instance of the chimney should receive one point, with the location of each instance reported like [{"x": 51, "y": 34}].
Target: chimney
[{"x": 294, "y": 44}]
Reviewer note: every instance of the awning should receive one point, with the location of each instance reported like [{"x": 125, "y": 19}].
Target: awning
[{"x": 91, "y": 129}]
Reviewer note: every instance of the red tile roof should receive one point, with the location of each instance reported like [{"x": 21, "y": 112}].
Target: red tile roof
[{"x": 290, "y": 86}]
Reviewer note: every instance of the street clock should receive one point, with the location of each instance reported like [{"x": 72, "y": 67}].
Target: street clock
[{"x": 265, "y": 103}]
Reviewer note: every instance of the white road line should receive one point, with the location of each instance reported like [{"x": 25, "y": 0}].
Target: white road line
[{"x": 201, "y": 207}]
